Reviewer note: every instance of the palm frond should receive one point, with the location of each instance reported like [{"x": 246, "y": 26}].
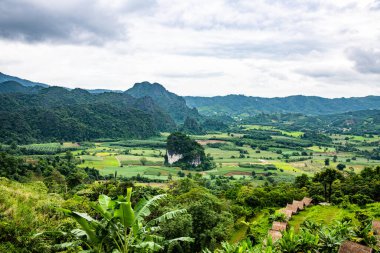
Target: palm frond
[
  {"x": 145, "y": 209},
  {"x": 181, "y": 239},
  {"x": 150, "y": 246},
  {"x": 169, "y": 215}
]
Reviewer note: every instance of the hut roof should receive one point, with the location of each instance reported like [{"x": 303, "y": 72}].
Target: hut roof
[
  {"x": 293, "y": 208},
  {"x": 275, "y": 235},
  {"x": 288, "y": 213},
  {"x": 376, "y": 226},
  {"x": 299, "y": 204},
  {"x": 352, "y": 247},
  {"x": 279, "y": 226},
  {"x": 307, "y": 201}
]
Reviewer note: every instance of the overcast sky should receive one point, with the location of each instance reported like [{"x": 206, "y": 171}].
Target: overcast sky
[{"x": 265, "y": 48}]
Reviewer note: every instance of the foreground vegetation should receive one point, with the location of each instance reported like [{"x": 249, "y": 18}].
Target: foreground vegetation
[{"x": 78, "y": 197}]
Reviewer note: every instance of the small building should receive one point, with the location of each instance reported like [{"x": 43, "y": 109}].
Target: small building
[
  {"x": 307, "y": 201},
  {"x": 279, "y": 226},
  {"x": 288, "y": 213},
  {"x": 293, "y": 208},
  {"x": 299, "y": 204},
  {"x": 275, "y": 235},
  {"x": 352, "y": 247},
  {"x": 376, "y": 226}
]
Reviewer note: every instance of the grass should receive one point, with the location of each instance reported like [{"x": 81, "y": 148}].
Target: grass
[
  {"x": 321, "y": 149},
  {"x": 296, "y": 134},
  {"x": 157, "y": 172},
  {"x": 286, "y": 167},
  {"x": 100, "y": 162},
  {"x": 320, "y": 214},
  {"x": 27, "y": 209}
]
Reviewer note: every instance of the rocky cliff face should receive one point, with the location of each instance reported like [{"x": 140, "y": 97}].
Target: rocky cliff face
[{"x": 173, "y": 157}]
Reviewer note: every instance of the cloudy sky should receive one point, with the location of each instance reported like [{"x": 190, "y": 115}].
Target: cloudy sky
[{"x": 269, "y": 48}]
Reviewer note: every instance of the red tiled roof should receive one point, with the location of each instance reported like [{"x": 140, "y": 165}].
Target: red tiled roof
[{"x": 352, "y": 247}]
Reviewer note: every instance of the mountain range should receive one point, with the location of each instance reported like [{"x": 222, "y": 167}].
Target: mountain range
[
  {"x": 32, "y": 111},
  {"x": 240, "y": 105}
]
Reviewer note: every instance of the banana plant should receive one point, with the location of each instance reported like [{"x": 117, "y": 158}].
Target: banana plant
[
  {"x": 290, "y": 241},
  {"x": 122, "y": 228}
]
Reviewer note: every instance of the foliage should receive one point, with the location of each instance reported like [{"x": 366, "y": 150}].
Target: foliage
[
  {"x": 56, "y": 114},
  {"x": 123, "y": 228}
]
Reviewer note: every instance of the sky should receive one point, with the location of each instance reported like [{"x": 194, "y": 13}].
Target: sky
[{"x": 268, "y": 48}]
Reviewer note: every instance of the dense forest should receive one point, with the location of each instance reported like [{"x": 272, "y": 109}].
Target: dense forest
[{"x": 58, "y": 114}]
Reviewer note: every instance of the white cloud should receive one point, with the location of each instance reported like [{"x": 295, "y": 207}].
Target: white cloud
[{"x": 216, "y": 47}]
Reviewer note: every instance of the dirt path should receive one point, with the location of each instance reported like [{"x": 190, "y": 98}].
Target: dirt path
[{"x": 118, "y": 160}]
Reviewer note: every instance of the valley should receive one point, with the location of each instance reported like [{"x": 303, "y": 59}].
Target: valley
[{"x": 72, "y": 160}]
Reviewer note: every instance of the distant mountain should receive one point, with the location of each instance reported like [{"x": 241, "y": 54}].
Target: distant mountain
[
  {"x": 58, "y": 114},
  {"x": 239, "y": 105},
  {"x": 15, "y": 87},
  {"x": 98, "y": 91},
  {"x": 27, "y": 83},
  {"x": 173, "y": 104}
]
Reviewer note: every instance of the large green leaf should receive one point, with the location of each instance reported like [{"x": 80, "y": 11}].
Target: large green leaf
[
  {"x": 85, "y": 221},
  {"x": 125, "y": 214},
  {"x": 144, "y": 210},
  {"x": 104, "y": 202},
  {"x": 104, "y": 205},
  {"x": 169, "y": 215}
]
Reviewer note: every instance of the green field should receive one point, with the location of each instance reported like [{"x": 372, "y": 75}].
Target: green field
[{"x": 146, "y": 157}]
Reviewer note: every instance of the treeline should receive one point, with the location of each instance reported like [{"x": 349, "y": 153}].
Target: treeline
[{"x": 365, "y": 122}]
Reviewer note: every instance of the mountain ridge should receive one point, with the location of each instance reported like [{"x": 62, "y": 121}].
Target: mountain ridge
[
  {"x": 182, "y": 107},
  {"x": 241, "y": 105},
  {"x": 173, "y": 104}
]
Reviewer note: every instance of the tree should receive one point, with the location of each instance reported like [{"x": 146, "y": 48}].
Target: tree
[
  {"x": 341, "y": 166},
  {"x": 69, "y": 156},
  {"x": 327, "y": 177},
  {"x": 143, "y": 161},
  {"x": 327, "y": 162},
  {"x": 302, "y": 181}
]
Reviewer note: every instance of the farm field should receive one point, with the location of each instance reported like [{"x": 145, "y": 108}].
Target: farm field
[
  {"x": 281, "y": 158},
  {"x": 234, "y": 160}
]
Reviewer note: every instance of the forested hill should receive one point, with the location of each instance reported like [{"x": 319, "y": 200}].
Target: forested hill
[
  {"x": 58, "y": 114},
  {"x": 238, "y": 105},
  {"x": 15, "y": 87},
  {"x": 173, "y": 104}
]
